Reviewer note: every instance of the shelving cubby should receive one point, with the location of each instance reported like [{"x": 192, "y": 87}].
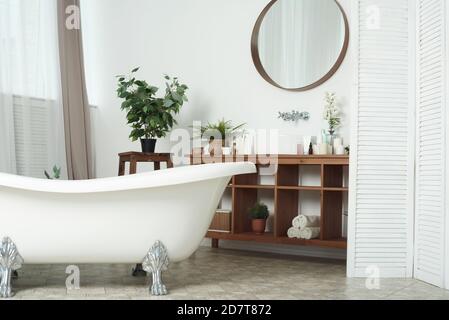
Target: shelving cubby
[{"x": 286, "y": 186}]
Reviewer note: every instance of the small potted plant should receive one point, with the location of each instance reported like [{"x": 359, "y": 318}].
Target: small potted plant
[
  {"x": 226, "y": 130},
  {"x": 259, "y": 215},
  {"x": 348, "y": 150},
  {"x": 332, "y": 113},
  {"x": 150, "y": 117},
  {"x": 56, "y": 173}
]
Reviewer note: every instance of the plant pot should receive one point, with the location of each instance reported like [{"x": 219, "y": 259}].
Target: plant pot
[
  {"x": 259, "y": 226},
  {"x": 148, "y": 145}
]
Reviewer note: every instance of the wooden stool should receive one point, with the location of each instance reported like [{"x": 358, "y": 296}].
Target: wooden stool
[{"x": 134, "y": 158}]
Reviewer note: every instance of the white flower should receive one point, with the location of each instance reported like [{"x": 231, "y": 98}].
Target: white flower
[{"x": 331, "y": 111}]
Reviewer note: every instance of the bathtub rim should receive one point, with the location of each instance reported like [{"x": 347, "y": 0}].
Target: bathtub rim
[{"x": 154, "y": 179}]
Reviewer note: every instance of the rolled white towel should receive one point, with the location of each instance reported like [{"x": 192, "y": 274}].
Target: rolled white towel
[
  {"x": 293, "y": 233},
  {"x": 309, "y": 233},
  {"x": 296, "y": 223},
  {"x": 308, "y": 221}
]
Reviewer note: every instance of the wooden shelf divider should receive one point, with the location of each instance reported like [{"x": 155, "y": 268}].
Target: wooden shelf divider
[
  {"x": 245, "y": 193},
  {"x": 260, "y": 187},
  {"x": 299, "y": 188}
]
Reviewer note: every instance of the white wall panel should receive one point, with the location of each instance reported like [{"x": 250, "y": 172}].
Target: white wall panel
[
  {"x": 431, "y": 141},
  {"x": 382, "y": 177},
  {"x": 446, "y": 117}
]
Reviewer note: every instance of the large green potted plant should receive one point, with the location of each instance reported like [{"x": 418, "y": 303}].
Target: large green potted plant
[
  {"x": 150, "y": 117},
  {"x": 259, "y": 215},
  {"x": 226, "y": 130}
]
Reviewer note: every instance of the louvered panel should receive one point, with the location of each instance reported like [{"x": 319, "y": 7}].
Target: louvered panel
[
  {"x": 31, "y": 127},
  {"x": 430, "y": 197},
  {"x": 382, "y": 180}
]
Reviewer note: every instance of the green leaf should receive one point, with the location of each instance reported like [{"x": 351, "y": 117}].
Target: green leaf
[
  {"x": 132, "y": 118},
  {"x": 123, "y": 95},
  {"x": 126, "y": 104},
  {"x": 154, "y": 89},
  {"x": 168, "y": 103},
  {"x": 56, "y": 172},
  {"x": 177, "y": 97},
  {"x": 135, "y": 70}
]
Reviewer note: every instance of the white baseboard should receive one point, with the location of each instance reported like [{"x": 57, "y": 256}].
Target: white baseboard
[{"x": 316, "y": 252}]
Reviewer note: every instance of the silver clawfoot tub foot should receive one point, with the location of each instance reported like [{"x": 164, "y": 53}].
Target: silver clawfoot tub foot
[
  {"x": 10, "y": 261},
  {"x": 155, "y": 262}
]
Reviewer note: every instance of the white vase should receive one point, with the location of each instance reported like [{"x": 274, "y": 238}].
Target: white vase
[
  {"x": 227, "y": 151},
  {"x": 324, "y": 149},
  {"x": 340, "y": 151}
]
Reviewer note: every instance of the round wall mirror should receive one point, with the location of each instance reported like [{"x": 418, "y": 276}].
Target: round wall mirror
[{"x": 298, "y": 45}]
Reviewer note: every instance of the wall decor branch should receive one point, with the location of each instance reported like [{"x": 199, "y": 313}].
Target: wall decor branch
[{"x": 294, "y": 116}]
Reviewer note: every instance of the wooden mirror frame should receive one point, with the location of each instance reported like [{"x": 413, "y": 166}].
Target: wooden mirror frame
[{"x": 260, "y": 68}]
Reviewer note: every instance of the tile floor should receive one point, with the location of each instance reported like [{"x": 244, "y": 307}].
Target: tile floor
[{"x": 221, "y": 274}]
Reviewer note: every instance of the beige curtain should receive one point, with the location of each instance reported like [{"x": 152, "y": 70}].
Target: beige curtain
[{"x": 74, "y": 92}]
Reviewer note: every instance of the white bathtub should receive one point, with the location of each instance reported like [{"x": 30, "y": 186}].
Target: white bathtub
[{"x": 114, "y": 220}]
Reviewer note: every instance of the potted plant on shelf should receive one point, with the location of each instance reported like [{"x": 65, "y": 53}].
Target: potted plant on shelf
[
  {"x": 332, "y": 114},
  {"x": 226, "y": 131},
  {"x": 259, "y": 215},
  {"x": 149, "y": 116}
]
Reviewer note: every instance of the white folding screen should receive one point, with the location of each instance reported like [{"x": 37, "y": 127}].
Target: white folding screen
[
  {"x": 382, "y": 162},
  {"x": 432, "y": 117}
]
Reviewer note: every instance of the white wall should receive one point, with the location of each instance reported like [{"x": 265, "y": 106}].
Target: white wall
[{"x": 207, "y": 44}]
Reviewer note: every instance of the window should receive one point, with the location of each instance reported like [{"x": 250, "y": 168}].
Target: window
[{"x": 30, "y": 90}]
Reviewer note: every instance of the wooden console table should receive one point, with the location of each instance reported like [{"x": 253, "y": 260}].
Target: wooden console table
[
  {"x": 135, "y": 157},
  {"x": 286, "y": 190}
]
